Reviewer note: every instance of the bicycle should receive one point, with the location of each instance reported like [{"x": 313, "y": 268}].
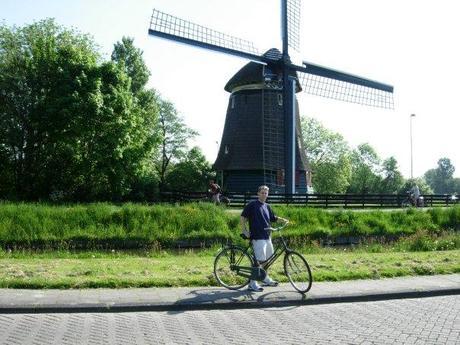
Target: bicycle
[
  {"x": 410, "y": 201},
  {"x": 235, "y": 266},
  {"x": 223, "y": 200}
]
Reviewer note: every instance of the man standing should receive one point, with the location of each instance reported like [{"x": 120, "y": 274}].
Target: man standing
[{"x": 259, "y": 215}]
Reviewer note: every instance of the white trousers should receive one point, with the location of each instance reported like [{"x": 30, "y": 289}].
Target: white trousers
[{"x": 263, "y": 249}]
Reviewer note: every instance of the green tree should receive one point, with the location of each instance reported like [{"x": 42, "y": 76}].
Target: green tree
[
  {"x": 191, "y": 174},
  {"x": 441, "y": 179},
  {"x": 47, "y": 81},
  {"x": 70, "y": 126},
  {"x": 365, "y": 176},
  {"x": 392, "y": 180},
  {"x": 456, "y": 185},
  {"x": 129, "y": 58},
  {"x": 118, "y": 139},
  {"x": 174, "y": 135},
  {"x": 328, "y": 155}
]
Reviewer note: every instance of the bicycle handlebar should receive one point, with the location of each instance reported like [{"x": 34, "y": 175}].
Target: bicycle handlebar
[
  {"x": 246, "y": 237},
  {"x": 278, "y": 228}
]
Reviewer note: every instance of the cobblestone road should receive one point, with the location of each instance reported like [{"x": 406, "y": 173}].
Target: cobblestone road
[{"x": 411, "y": 321}]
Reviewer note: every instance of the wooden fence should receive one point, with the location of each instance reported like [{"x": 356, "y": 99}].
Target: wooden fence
[{"x": 316, "y": 200}]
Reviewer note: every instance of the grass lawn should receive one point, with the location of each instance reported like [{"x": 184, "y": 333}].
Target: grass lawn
[{"x": 66, "y": 270}]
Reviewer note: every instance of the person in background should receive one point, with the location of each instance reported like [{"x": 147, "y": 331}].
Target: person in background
[
  {"x": 415, "y": 194},
  {"x": 215, "y": 190}
]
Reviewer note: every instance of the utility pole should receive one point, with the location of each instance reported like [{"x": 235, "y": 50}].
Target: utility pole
[{"x": 411, "y": 149}]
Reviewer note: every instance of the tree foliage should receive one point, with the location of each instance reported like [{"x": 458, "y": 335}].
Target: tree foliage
[
  {"x": 365, "y": 170},
  {"x": 70, "y": 126},
  {"x": 338, "y": 169},
  {"x": 48, "y": 79},
  {"x": 191, "y": 174},
  {"x": 130, "y": 60},
  {"x": 456, "y": 185},
  {"x": 441, "y": 178},
  {"x": 174, "y": 135},
  {"x": 328, "y": 155},
  {"x": 392, "y": 180}
]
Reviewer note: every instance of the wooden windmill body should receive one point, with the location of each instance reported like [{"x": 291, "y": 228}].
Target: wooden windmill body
[{"x": 252, "y": 147}]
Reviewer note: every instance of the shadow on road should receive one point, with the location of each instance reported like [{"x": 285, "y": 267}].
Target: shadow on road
[{"x": 227, "y": 299}]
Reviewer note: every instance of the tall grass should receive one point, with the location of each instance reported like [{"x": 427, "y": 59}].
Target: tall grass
[
  {"x": 368, "y": 226},
  {"x": 103, "y": 225}
]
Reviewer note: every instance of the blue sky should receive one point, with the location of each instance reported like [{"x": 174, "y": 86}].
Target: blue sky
[{"x": 410, "y": 44}]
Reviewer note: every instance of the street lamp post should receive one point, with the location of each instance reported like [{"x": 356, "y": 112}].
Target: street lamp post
[{"x": 411, "y": 149}]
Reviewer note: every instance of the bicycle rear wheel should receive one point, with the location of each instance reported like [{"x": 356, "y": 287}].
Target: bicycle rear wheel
[
  {"x": 230, "y": 267},
  {"x": 298, "y": 272}
]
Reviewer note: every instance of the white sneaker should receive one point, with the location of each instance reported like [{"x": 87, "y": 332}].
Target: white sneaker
[
  {"x": 269, "y": 282},
  {"x": 253, "y": 286}
]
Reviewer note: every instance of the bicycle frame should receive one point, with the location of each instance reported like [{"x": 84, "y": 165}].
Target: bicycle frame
[
  {"x": 278, "y": 251},
  {"x": 241, "y": 270}
]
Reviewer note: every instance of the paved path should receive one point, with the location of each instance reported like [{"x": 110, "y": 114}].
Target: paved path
[
  {"x": 433, "y": 320},
  {"x": 387, "y": 311},
  {"x": 168, "y": 299}
]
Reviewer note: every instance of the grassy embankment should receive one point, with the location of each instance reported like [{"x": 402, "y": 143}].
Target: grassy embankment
[
  {"x": 39, "y": 244},
  {"x": 130, "y": 226}
]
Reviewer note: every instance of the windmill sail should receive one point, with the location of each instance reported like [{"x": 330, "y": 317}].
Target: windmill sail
[
  {"x": 173, "y": 28},
  {"x": 325, "y": 82},
  {"x": 293, "y": 23}
]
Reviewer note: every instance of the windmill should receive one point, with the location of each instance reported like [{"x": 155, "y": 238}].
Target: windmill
[{"x": 278, "y": 73}]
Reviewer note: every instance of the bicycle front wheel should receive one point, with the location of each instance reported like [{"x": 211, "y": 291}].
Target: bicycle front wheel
[
  {"x": 298, "y": 272},
  {"x": 230, "y": 267}
]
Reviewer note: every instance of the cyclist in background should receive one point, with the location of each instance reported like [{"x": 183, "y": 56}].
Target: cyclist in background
[
  {"x": 259, "y": 215},
  {"x": 415, "y": 195},
  {"x": 215, "y": 190}
]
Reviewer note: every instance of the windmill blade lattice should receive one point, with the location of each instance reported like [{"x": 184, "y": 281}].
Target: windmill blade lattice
[
  {"x": 168, "y": 26},
  {"x": 345, "y": 91},
  {"x": 326, "y": 82},
  {"x": 294, "y": 10}
]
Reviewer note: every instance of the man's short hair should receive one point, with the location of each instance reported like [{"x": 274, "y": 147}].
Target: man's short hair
[{"x": 263, "y": 187}]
